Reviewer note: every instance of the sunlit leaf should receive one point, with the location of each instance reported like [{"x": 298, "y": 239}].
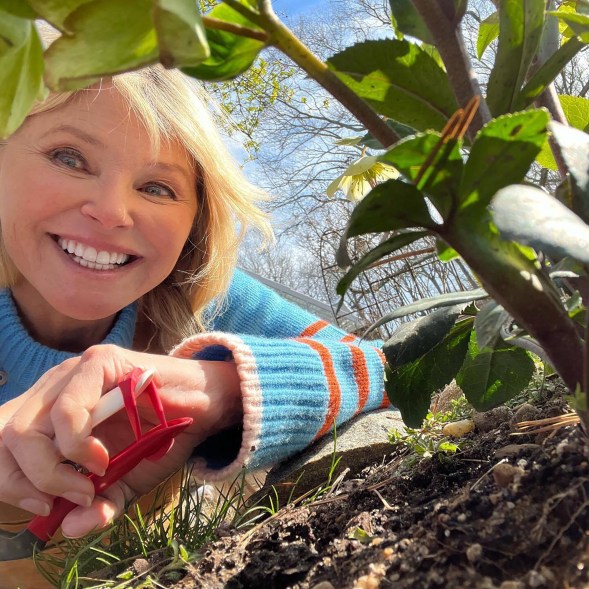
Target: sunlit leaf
[
  {"x": 502, "y": 153},
  {"x": 408, "y": 20},
  {"x": 21, "y": 70},
  {"x": 574, "y": 150},
  {"x": 76, "y": 60},
  {"x": 521, "y": 23},
  {"x": 532, "y": 217},
  {"x": 56, "y": 11},
  {"x": 488, "y": 32},
  {"x": 410, "y": 387},
  {"x": 445, "y": 252},
  {"x": 399, "y": 79},
  {"x": 577, "y": 22},
  {"x": 231, "y": 54},
  {"x": 180, "y": 33},
  {"x": 490, "y": 377}
]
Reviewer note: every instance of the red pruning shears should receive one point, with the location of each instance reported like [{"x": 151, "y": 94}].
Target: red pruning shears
[{"x": 151, "y": 445}]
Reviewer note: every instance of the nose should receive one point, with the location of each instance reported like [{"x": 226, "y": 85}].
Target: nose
[{"x": 110, "y": 204}]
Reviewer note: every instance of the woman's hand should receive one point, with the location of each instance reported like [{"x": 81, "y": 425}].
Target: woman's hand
[{"x": 51, "y": 423}]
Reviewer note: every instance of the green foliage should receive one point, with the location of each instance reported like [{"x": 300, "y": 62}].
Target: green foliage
[
  {"x": 488, "y": 32},
  {"x": 399, "y": 79}
]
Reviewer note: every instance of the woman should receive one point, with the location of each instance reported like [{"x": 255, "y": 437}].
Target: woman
[{"x": 118, "y": 209}]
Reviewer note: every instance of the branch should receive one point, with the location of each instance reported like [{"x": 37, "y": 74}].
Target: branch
[
  {"x": 549, "y": 99},
  {"x": 223, "y": 25},
  {"x": 448, "y": 41}
]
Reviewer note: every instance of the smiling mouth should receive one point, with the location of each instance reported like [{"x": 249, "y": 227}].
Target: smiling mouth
[{"x": 88, "y": 257}]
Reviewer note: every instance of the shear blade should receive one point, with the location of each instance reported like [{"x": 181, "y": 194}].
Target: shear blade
[{"x": 18, "y": 546}]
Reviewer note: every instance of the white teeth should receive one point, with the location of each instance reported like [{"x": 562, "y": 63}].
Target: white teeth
[{"x": 88, "y": 257}]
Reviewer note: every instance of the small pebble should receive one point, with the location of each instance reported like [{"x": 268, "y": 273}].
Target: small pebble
[
  {"x": 535, "y": 579},
  {"x": 474, "y": 552},
  {"x": 512, "y": 585},
  {"x": 489, "y": 420},
  {"x": 323, "y": 585},
  {"x": 504, "y": 474},
  {"x": 525, "y": 412},
  {"x": 457, "y": 429},
  {"x": 140, "y": 566},
  {"x": 514, "y": 449}
]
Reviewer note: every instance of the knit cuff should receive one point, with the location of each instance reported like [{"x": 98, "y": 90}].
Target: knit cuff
[{"x": 215, "y": 346}]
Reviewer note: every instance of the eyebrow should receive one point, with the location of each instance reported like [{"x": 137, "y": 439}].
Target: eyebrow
[
  {"x": 63, "y": 128},
  {"x": 170, "y": 167}
]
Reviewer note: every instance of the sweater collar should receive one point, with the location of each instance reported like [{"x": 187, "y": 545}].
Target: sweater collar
[{"x": 26, "y": 360}]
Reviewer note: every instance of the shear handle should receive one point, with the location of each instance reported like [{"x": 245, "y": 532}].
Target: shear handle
[{"x": 43, "y": 527}]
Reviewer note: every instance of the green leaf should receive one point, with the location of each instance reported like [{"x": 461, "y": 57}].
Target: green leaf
[
  {"x": 445, "y": 300},
  {"x": 501, "y": 154},
  {"x": 56, "y": 11},
  {"x": 20, "y": 8},
  {"x": 391, "y": 205},
  {"x": 180, "y": 33},
  {"x": 231, "y": 54},
  {"x": 415, "y": 338},
  {"x": 490, "y": 377},
  {"x": 445, "y": 252},
  {"x": 547, "y": 72},
  {"x": 574, "y": 150},
  {"x": 578, "y": 23},
  {"x": 411, "y": 386},
  {"x": 488, "y": 323},
  {"x": 386, "y": 247},
  {"x": 408, "y": 20},
  {"x": 520, "y": 29},
  {"x": 441, "y": 177},
  {"x": 400, "y": 80},
  {"x": 488, "y": 32},
  {"x": 21, "y": 71},
  {"x": 532, "y": 217},
  {"x": 74, "y": 61}
]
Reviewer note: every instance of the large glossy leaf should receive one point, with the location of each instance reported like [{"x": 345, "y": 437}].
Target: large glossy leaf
[
  {"x": 445, "y": 300},
  {"x": 20, "y": 8},
  {"x": 383, "y": 249},
  {"x": 57, "y": 11},
  {"x": 441, "y": 176},
  {"x": 21, "y": 70},
  {"x": 410, "y": 386},
  {"x": 180, "y": 33},
  {"x": 520, "y": 28},
  {"x": 574, "y": 149},
  {"x": 547, "y": 72},
  {"x": 488, "y": 32},
  {"x": 76, "y": 60},
  {"x": 399, "y": 79},
  {"x": 231, "y": 54},
  {"x": 577, "y": 22},
  {"x": 492, "y": 376},
  {"x": 502, "y": 154},
  {"x": 391, "y": 205},
  {"x": 532, "y": 217},
  {"x": 408, "y": 21}
]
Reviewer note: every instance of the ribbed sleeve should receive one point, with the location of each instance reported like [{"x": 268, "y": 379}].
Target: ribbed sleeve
[{"x": 299, "y": 375}]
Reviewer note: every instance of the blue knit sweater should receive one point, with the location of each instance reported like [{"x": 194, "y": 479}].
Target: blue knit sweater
[{"x": 299, "y": 375}]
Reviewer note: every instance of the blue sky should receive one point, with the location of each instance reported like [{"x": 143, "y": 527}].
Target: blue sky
[{"x": 294, "y": 7}]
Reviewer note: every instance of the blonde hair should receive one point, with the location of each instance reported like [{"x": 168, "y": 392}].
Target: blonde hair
[{"x": 173, "y": 107}]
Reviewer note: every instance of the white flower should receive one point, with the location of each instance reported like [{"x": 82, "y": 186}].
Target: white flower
[{"x": 361, "y": 177}]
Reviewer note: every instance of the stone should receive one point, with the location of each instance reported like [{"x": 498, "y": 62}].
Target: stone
[
  {"x": 504, "y": 474},
  {"x": 525, "y": 412},
  {"x": 457, "y": 429},
  {"x": 512, "y": 450},
  {"x": 492, "y": 419},
  {"x": 360, "y": 443}
]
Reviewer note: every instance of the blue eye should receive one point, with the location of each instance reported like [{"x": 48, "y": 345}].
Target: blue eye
[
  {"x": 159, "y": 190},
  {"x": 69, "y": 158}
]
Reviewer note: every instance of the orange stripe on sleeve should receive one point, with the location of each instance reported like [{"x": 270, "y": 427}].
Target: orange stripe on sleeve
[
  {"x": 314, "y": 328},
  {"x": 335, "y": 394},
  {"x": 348, "y": 338},
  {"x": 360, "y": 375}
]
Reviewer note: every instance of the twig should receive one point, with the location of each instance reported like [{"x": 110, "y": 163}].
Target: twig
[{"x": 223, "y": 25}]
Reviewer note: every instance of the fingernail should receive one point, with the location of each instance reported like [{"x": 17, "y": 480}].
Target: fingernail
[
  {"x": 78, "y": 498},
  {"x": 95, "y": 468},
  {"x": 35, "y": 506}
]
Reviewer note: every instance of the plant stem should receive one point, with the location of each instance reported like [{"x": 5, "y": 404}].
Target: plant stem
[
  {"x": 449, "y": 43},
  {"x": 223, "y": 25},
  {"x": 528, "y": 296},
  {"x": 283, "y": 38},
  {"x": 549, "y": 99}
]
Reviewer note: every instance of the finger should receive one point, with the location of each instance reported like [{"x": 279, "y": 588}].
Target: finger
[
  {"x": 16, "y": 489},
  {"x": 104, "y": 510}
]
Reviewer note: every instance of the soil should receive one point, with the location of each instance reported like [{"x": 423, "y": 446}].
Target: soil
[{"x": 459, "y": 521}]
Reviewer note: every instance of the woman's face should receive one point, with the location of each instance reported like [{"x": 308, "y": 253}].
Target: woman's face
[{"x": 91, "y": 219}]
